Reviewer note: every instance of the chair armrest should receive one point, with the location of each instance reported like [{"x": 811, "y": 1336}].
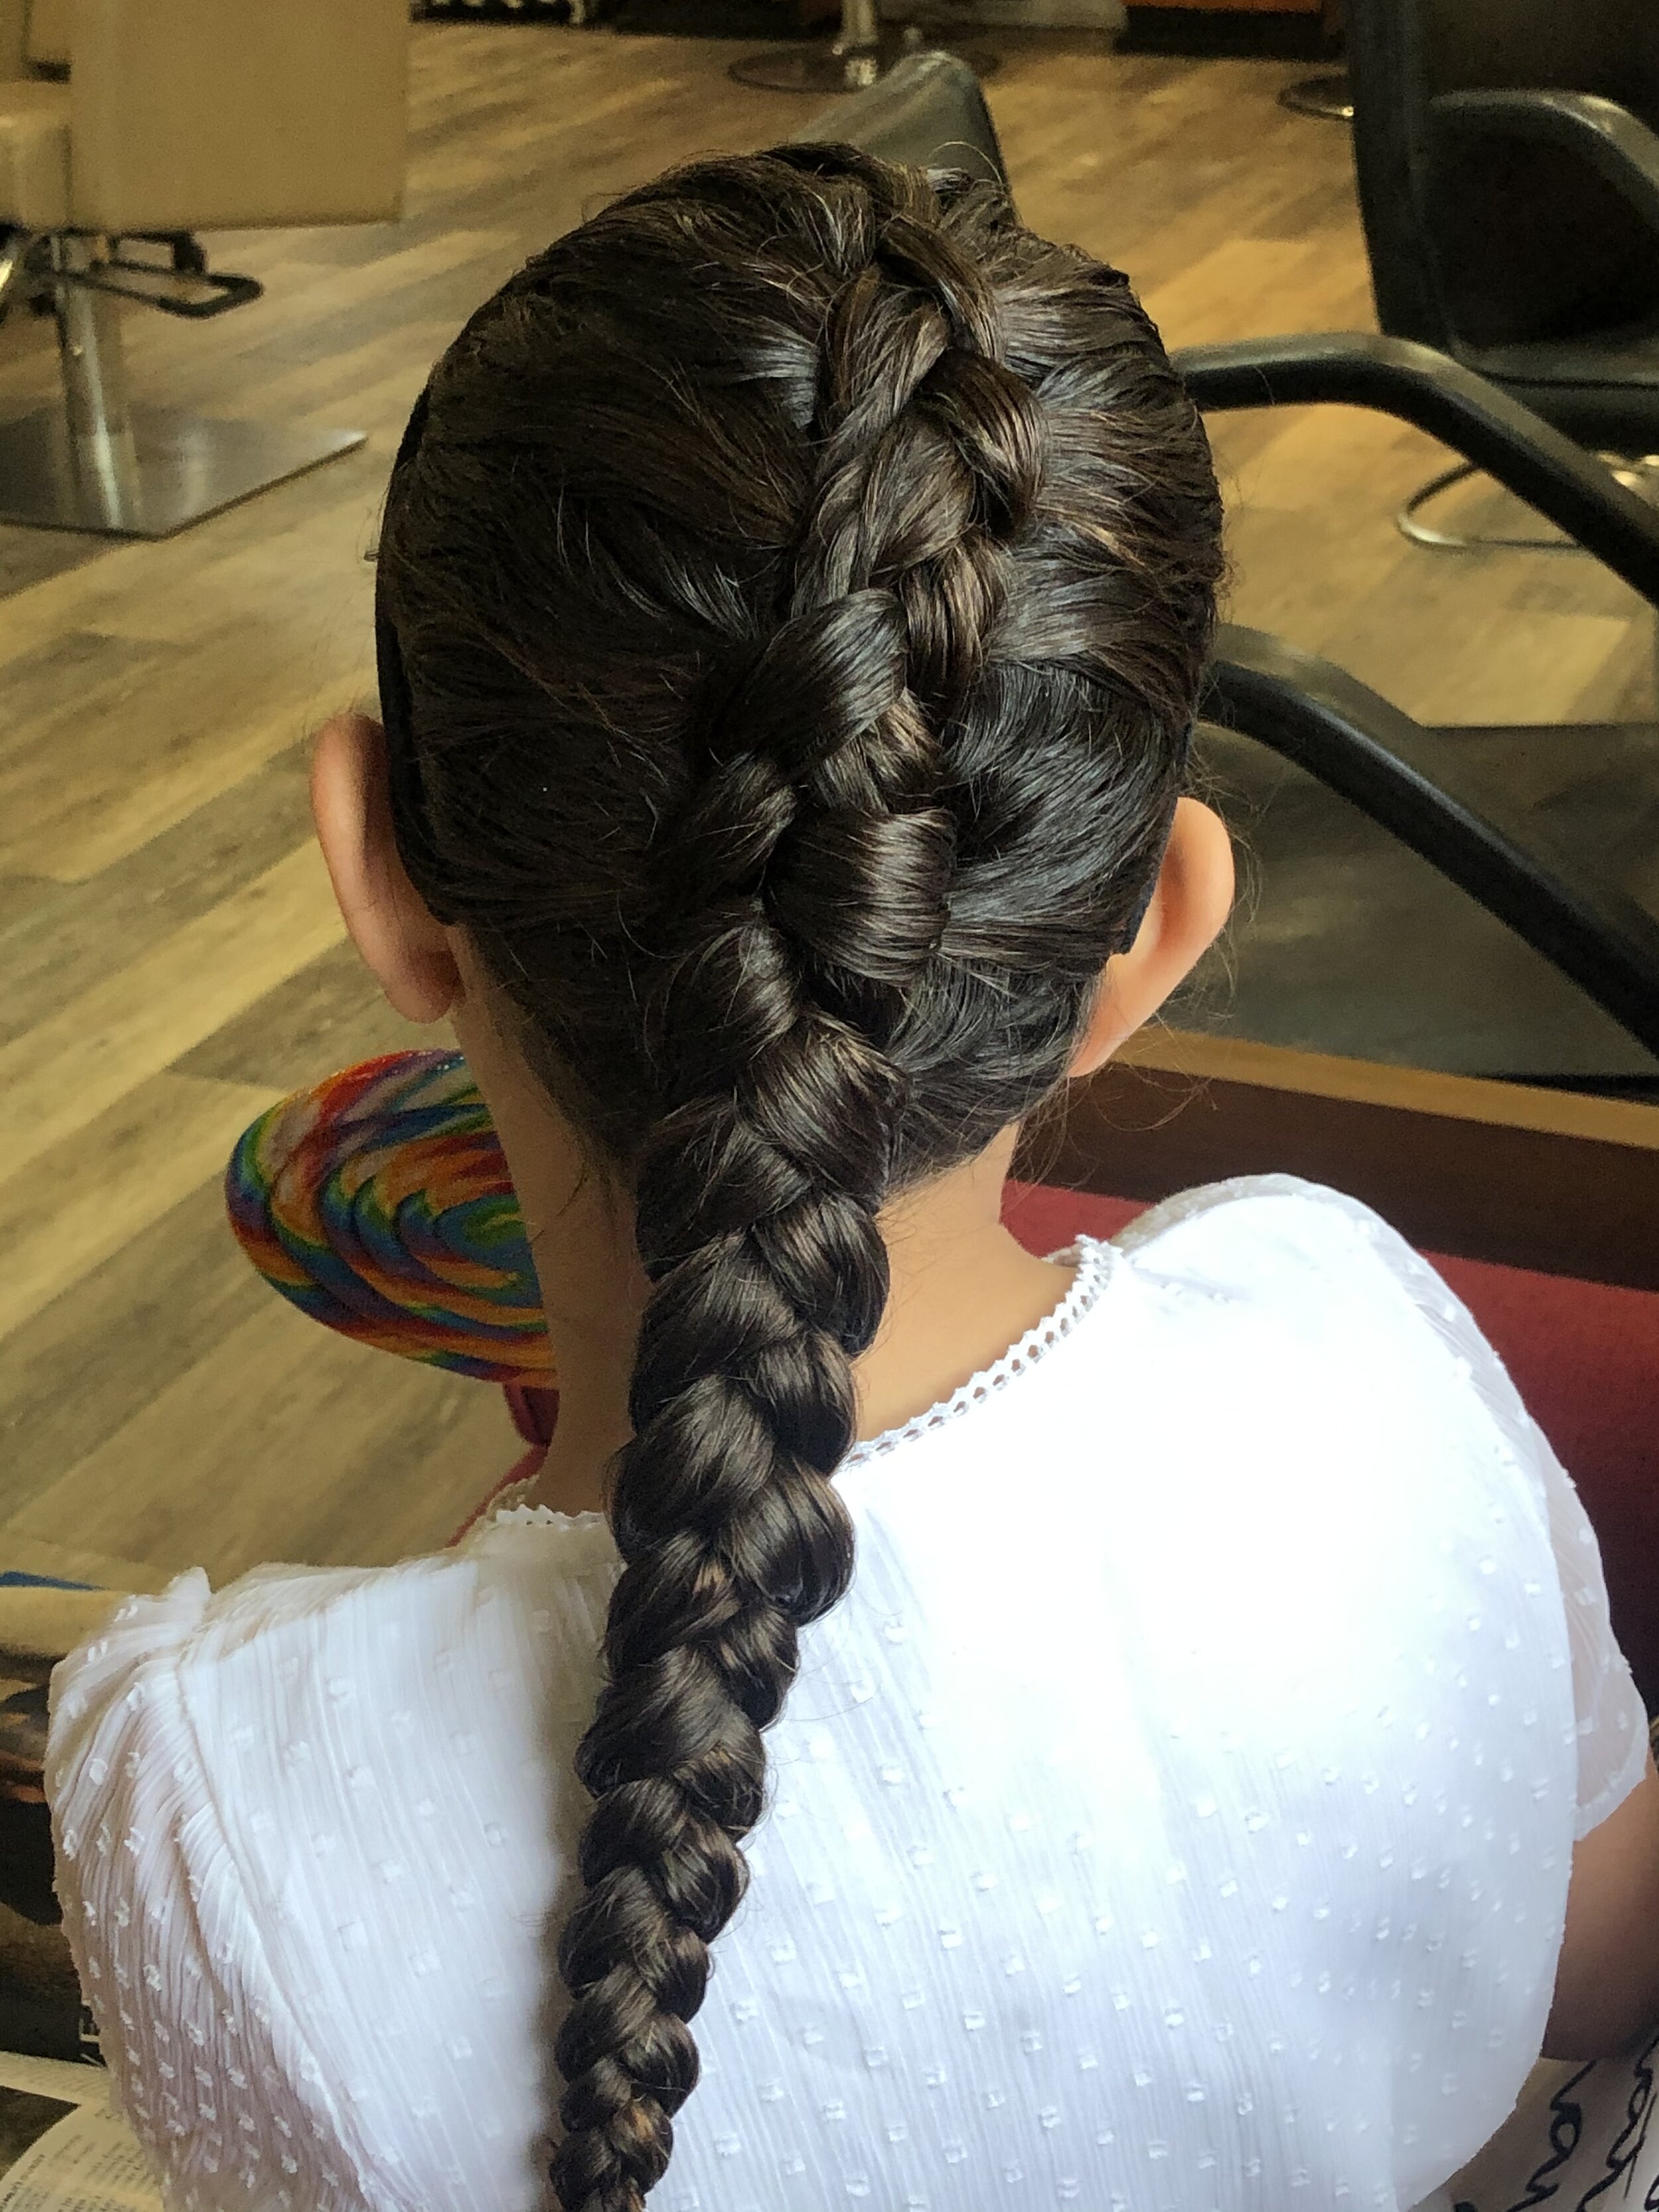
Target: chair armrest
[
  {"x": 1401, "y": 775},
  {"x": 236, "y": 114},
  {"x": 1395, "y": 376},
  {"x": 1606, "y": 137}
]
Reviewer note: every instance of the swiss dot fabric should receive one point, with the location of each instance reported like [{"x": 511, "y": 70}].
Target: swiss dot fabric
[{"x": 1177, "y": 1815}]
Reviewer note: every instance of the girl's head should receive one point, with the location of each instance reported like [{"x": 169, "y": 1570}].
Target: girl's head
[{"x": 794, "y": 592}]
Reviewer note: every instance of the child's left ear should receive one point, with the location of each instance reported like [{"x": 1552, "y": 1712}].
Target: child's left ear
[
  {"x": 406, "y": 948},
  {"x": 1190, "y": 904}
]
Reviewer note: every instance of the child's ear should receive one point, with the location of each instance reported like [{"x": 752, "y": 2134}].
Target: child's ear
[
  {"x": 406, "y": 948},
  {"x": 1190, "y": 904}
]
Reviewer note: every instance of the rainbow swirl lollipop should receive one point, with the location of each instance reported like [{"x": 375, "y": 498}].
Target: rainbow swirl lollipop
[{"x": 379, "y": 1203}]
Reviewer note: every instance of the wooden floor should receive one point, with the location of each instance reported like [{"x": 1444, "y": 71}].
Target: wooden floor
[{"x": 171, "y": 957}]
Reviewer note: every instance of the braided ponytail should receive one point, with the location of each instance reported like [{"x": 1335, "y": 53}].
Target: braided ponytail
[{"x": 798, "y": 811}]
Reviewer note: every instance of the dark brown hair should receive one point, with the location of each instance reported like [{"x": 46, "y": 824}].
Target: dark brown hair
[{"x": 793, "y": 591}]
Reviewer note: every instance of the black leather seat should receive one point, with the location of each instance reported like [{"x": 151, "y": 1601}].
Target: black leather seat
[
  {"x": 928, "y": 111},
  {"x": 1507, "y": 155}
]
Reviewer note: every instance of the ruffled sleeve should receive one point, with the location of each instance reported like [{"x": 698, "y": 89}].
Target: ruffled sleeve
[
  {"x": 1612, "y": 1722},
  {"x": 206, "y": 2061}
]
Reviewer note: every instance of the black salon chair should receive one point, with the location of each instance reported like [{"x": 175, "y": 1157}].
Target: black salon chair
[
  {"x": 1477, "y": 900},
  {"x": 1507, "y": 157}
]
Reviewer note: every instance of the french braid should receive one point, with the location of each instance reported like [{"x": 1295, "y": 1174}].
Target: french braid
[{"x": 794, "y": 589}]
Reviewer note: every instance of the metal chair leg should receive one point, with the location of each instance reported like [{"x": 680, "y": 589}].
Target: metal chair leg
[
  {"x": 1421, "y": 533},
  {"x": 1640, "y": 476},
  {"x": 104, "y": 458},
  {"x": 863, "y": 51},
  {"x": 1331, "y": 97},
  {"x": 14, "y": 244}
]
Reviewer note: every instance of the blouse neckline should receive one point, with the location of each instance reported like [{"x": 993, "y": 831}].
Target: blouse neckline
[{"x": 1096, "y": 1265}]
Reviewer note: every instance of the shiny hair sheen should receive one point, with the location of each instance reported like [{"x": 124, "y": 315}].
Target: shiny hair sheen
[{"x": 792, "y": 596}]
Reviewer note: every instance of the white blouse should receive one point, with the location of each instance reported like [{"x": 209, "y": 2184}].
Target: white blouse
[{"x": 1177, "y": 1814}]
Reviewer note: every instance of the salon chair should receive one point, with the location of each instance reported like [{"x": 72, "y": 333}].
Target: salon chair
[
  {"x": 127, "y": 126},
  {"x": 1479, "y": 901},
  {"x": 34, "y": 38},
  {"x": 1508, "y": 166}
]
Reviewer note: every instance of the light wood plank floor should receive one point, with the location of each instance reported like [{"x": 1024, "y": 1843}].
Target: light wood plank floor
[{"x": 171, "y": 957}]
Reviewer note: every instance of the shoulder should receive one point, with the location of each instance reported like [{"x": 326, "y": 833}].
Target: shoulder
[
  {"x": 172, "y": 1682},
  {"x": 1312, "y": 1263},
  {"x": 150, "y": 1641},
  {"x": 1267, "y": 1238},
  {"x": 1250, "y": 1221},
  {"x": 1290, "y": 1263},
  {"x": 190, "y": 1622},
  {"x": 274, "y": 1654}
]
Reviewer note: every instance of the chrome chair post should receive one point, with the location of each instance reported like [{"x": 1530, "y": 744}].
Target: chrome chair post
[{"x": 102, "y": 451}]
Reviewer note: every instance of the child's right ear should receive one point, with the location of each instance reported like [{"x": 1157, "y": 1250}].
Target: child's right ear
[{"x": 404, "y": 947}]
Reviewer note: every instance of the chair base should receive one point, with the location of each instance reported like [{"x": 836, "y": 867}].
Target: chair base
[
  {"x": 176, "y": 469},
  {"x": 1331, "y": 97},
  {"x": 842, "y": 68},
  {"x": 1421, "y": 533},
  {"x": 1640, "y": 475}
]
